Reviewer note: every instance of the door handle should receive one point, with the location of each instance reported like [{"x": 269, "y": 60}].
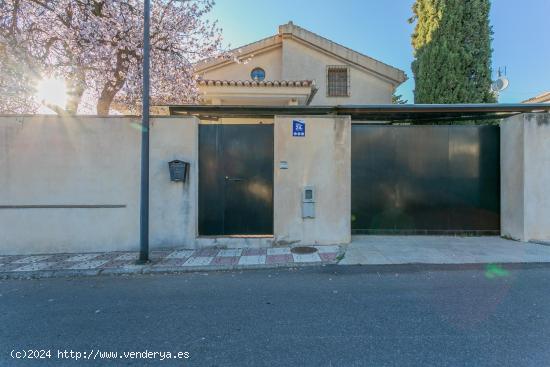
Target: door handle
[{"x": 227, "y": 178}]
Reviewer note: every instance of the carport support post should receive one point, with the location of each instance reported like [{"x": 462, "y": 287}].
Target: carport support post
[{"x": 144, "y": 202}]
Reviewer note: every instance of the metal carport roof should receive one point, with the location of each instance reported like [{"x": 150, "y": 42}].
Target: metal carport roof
[{"x": 384, "y": 112}]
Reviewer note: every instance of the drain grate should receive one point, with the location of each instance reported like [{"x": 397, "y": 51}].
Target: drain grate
[{"x": 303, "y": 250}]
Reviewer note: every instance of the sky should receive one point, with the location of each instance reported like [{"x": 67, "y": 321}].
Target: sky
[{"x": 379, "y": 29}]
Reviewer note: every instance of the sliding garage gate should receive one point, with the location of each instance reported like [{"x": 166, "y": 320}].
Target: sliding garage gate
[{"x": 425, "y": 179}]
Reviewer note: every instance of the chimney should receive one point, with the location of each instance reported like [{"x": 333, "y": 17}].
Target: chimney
[{"x": 286, "y": 28}]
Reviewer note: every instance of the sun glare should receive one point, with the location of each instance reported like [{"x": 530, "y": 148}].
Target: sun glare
[{"x": 52, "y": 92}]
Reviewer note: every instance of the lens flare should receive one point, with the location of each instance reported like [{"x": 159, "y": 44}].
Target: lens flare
[
  {"x": 495, "y": 271},
  {"x": 52, "y": 92}
]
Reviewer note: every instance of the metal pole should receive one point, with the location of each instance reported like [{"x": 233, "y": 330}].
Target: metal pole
[{"x": 144, "y": 203}]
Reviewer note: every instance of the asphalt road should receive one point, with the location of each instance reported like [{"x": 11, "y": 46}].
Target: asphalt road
[{"x": 322, "y": 316}]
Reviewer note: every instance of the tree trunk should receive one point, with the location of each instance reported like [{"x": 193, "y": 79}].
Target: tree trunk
[
  {"x": 76, "y": 90},
  {"x": 108, "y": 94},
  {"x": 110, "y": 89},
  {"x": 104, "y": 103}
]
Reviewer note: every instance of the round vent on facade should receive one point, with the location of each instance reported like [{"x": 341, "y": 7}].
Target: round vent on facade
[{"x": 257, "y": 74}]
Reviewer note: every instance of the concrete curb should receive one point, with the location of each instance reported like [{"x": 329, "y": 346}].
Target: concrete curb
[
  {"x": 151, "y": 270},
  {"x": 540, "y": 242},
  {"x": 381, "y": 268},
  {"x": 147, "y": 269},
  {"x": 420, "y": 267}
]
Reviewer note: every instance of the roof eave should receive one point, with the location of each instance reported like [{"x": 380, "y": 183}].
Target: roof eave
[
  {"x": 542, "y": 98},
  {"x": 394, "y": 75},
  {"x": 397, "y": 76},
  {"x": 239, "y": 53}
]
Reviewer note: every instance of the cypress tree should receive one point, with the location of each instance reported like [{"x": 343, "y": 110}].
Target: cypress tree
[{"x": 452, "y": 48}]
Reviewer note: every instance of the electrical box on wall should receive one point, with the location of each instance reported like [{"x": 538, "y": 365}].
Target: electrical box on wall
[{"x": 308, "y": 202}]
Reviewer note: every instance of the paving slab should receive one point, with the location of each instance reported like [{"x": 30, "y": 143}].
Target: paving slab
[
  {"x": 31, "y": 259},
  {"x": 180, "y": 254},
  {"x": 306, "y": 258},
  {"x": 198, "y": 261},
  {"x": 127, "y": 256},
  {"x": 92, "y": 264},
  {"x": 162, "y": 261},
  {"x": 254, "y": 252},
  {"x": 83, "y": 257},
  {"x": 230, "y": 252},
  {"x": 385, "y": 250},
  {"x": 278, "y": 251},
  {"x": 34, "y": 266},
  {"x": 327, "y": 249},
  {"x": 252, "y": 260}
]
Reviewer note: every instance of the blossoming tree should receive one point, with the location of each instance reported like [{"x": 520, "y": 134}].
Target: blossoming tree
[{"x": 96, "y": 47}]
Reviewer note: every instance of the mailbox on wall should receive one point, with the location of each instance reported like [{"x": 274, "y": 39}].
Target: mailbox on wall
[{"x": 178, "y": 170}]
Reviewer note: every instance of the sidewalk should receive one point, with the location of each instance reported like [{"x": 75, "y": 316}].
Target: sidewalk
[
  {"x": 364, "y": 250},
  {"x": 169, "y": 261},
  {"x": 384, "y": 250}
]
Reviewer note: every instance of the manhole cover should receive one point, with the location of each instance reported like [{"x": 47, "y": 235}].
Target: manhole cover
[{"x": 303, "y": 250}]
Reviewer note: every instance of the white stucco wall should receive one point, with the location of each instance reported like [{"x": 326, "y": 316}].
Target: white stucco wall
[
  {"x": 269, "y": 60},
  {"x": 323, "y": 159},
  {"x": 46, "y": 160},
  {"x": 525, "y": 177},
  {"x": 301, "y": 62},
  {"x": 511, "y": 178},
  {"x": 90, "y": 161}
]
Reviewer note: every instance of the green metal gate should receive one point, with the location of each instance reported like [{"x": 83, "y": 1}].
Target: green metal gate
[{"x": 425, "y": 179}]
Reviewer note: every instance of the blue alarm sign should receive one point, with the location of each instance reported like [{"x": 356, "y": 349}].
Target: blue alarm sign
[{"x": 298, "y": 128}]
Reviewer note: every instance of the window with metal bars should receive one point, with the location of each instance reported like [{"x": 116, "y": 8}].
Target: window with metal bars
[{"x": 337, "y": 81}]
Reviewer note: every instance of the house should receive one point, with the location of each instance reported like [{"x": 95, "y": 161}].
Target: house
[
  {"x": 268, "y": 176},
  {"x": 297, "y": 67},
  {"x": 541, "y": 98}
]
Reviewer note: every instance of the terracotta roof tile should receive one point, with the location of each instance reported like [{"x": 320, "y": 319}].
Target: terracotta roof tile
[{"x": 254, "y": 83}]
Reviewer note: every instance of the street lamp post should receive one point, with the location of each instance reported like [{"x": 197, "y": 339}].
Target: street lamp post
[{"x": 144, "y": 202}]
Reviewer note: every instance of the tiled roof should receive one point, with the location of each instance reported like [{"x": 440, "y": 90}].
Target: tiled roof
[
  {"x": 313, "y": 40},
  {"x": 544, "y": 97},
  {"x": 253, "y": 83}
]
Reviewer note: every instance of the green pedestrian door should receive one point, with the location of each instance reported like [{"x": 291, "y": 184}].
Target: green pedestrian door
[{"x": 235, "y": 179}]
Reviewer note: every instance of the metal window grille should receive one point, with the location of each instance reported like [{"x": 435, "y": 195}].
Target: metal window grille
[{"x": 338, "y": 81}]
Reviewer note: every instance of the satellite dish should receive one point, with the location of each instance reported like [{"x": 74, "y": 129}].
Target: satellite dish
[{"x": 500, "y": 84}]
